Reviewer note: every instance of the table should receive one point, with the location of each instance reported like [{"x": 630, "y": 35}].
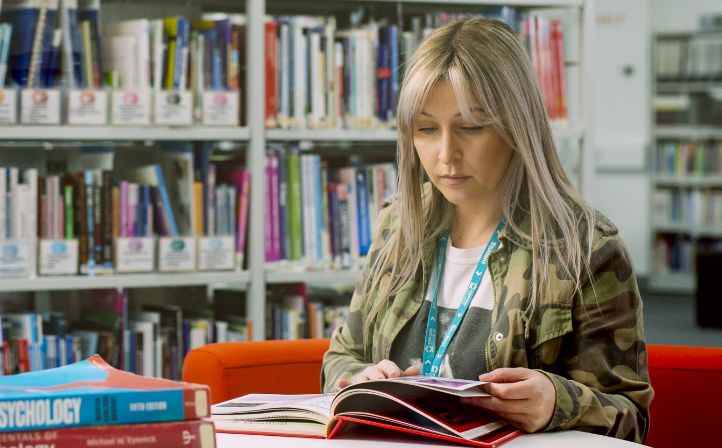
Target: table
[{"x": 560, "y": 439}]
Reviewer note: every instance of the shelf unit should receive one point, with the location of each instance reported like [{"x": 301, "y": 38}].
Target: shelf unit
[
  {"x": 673, "y": 76},
  {"x": 255, "y": 137}
]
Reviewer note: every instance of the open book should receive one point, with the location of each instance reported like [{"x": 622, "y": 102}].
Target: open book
[{"x": 418, "y": 405}]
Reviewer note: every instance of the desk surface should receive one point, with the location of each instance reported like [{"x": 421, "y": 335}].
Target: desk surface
[{"x": 562, "y": 439}]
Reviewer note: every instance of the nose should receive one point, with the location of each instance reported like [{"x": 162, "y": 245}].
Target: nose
[{"x": 448, "y": 148}]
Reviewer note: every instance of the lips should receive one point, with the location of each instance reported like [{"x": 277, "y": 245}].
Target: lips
[{"x": 455, "y": 179}]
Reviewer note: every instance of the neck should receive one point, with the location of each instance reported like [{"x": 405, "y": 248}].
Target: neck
[{"x": 472, "y": 226}]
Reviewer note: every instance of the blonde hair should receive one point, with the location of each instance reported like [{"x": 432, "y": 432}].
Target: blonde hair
[{"x": 483, "y": 61}]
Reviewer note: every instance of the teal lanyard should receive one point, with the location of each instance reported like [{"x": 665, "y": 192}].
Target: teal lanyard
[{"x": 432, "y": 361}]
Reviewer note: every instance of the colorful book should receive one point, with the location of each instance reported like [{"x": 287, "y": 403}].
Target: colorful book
[
  {"x": 91, "y": 392},
  {"x": 186, "y": 434},
  {"x": 424, "y": 406}
]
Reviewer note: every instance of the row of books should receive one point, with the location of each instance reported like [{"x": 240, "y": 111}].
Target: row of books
[
  {"x": 96, "y": 207},
  {"x": 688, "y": 158},
  {"x": 697, "y": 57},
  {"x": 322, "y": 215},
  {"x": 150, "y": 340},
  {"x": 673, "y": 254},
  {"x": 90, "y": 403},
  {"x": 697, "y": 209},
  {"x": 294, "y": 311},
  {"x": 318, "y": 76},
  {"x": 59, "y": 42}
]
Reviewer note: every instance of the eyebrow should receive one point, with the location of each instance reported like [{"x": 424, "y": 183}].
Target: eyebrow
[{"x": 474, "y": 109}]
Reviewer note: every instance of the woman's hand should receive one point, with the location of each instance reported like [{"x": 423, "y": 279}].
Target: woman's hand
[
  {"x": 523, "y": 397},
  {"x": 384, "y": 369}
]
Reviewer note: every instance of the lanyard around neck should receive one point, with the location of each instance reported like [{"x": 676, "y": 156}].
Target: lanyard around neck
[{"x": 432, "y": 358}]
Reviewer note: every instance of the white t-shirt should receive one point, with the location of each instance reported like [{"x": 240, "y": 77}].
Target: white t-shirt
[{"x": 464, "y": 357}]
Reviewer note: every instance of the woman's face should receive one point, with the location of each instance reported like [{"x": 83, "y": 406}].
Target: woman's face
[{"x": 464, "y": 161}]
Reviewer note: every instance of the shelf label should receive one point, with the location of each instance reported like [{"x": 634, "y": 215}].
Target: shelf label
[
  {"x": 216, "y": 253},
  {"x": 58, "y": 257},
  {"x": 8, "y": 106},
  {"x": 130, "y": 107},
  {"x": 220, "y": 108},
  {"x": 134, "y": 254},
  {"x": 176, "y": 254},
  {"x": 88, "y": 107},
  {"x": 173, "y": 107},
  {"x": 15, "y": 259},
  {"x": 40, "y": 106}
]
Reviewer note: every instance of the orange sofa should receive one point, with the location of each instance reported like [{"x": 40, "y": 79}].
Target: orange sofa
[{"x": 686, "y": 410}]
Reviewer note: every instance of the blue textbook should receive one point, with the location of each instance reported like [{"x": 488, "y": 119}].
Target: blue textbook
[{"x": 92, "y": 392}]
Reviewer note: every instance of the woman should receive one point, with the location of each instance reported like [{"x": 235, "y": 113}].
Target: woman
[{"x": 550, "y": 311}]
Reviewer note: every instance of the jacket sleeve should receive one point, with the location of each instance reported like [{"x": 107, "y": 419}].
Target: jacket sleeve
[
  {"x": 346, "y": 355},
  {"x": 606, "y": 388}
]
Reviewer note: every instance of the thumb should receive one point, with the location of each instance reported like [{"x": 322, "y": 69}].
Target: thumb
[
  {"x": 505, "y": 375},
  {"x": 412, "y": 371}
]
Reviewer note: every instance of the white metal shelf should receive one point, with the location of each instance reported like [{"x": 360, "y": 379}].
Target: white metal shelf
[
  {"x": 689, "y": 132},
  {"x": 687, "y": 181},
  {"x": 515, "y": 3},
  {"x": 560, "y": 131},
  {"x": 341, "y": 135},
  {"x": 687, "y": 86},
  {"x": 698, "y": 232},
  {"x": 123, "y": 281},
  {"x": 121, "y": 133},
  {"x": 674, "y": 282},
  {"x": 345, "y": 276}
]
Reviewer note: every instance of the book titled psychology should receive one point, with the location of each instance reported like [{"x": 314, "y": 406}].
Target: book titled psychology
[{"x": 91, "y": 392}]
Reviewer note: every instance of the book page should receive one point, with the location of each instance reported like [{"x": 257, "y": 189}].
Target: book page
[{"x": 268, "y": 404}]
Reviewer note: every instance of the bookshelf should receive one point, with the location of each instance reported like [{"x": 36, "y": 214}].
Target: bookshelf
[
  {"x": 686, "y": 157},
  {"x": 253, "y": 137}
]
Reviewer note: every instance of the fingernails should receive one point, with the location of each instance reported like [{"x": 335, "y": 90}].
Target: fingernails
[{"x": 486, "y": 376}]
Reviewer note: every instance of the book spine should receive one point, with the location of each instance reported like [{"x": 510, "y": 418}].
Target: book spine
[
  {"x": 270, "y": 59},
  {"x": 294, "y": 206},
  {"x": 244, "y": 197},
  {"x": 362, "y": 200},
  {"x": 165, "y": 199},
  {"x": 109, "y": 406}
]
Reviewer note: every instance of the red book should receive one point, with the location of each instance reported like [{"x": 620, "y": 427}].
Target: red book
[
  {"x": 560, "y": 87},
  {"x": 186, "y": 434},
  {"x": 423, "y": 406},
  {"x": 271, "y": 43}
]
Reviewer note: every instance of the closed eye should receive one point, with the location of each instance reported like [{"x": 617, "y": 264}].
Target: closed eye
[
  {"x": 426, "y": 130},
  {"x": 472, "y": 129}
]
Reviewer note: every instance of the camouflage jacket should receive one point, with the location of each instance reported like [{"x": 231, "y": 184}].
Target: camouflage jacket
[{"x": 591, "y": 345}]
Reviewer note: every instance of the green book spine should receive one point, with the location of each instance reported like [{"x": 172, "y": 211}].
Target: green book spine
[
  {"x": 294, "y": 206},
  {"x": 69, "y": 218}
]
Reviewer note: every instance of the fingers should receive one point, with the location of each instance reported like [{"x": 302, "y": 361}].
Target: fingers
[
  {"x": 412, "y": 371},
  {"x": 506, "y": 375},
  {"x": 498, "y": 405},
  {"x": 508, "y": 391},
  {"x": 389, "y": 369}
]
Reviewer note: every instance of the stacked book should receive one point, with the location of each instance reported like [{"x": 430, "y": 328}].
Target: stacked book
[{"x": 91, "y": 404}]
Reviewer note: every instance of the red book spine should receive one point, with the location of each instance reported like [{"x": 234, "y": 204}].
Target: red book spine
[
  {"x": 271, "y": 42},
  {"x": 186, "y": 434},
  {"x": 557, "y": 38}
]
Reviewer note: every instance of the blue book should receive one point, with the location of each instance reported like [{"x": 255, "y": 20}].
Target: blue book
[
  {"x": 165, "y": 198},
  {"x": 23, "y": 16},
  {"x": 362, "y": 201},
  {"x": 91, "y": 392},
  {"x": 72, "y": 44},
  {"x": 46, "y": 44},
  {"x": 6, "y": 31},
  {"x": 394, "y": 42},
  {"x": 318, "y": 201}
]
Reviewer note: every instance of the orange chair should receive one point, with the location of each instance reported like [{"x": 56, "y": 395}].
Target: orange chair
[
  {"x": 232, "y": 369},
  {"x": 686, "y": 410},
  {"x": 687, "y": 406}
]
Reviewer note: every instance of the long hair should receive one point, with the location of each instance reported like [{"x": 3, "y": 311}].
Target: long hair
[{"x": 487, "y": 67}]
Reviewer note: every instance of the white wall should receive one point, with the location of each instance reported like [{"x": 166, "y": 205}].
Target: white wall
[{"x": 621, "y": 121}]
